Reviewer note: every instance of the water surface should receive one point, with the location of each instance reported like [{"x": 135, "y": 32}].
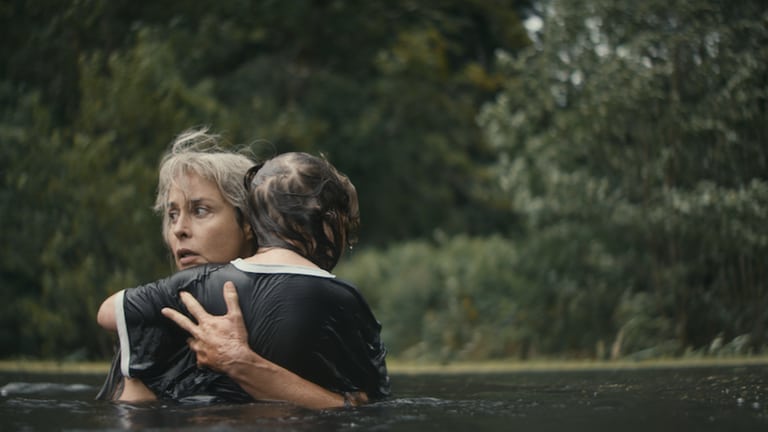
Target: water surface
[{"x": 674, "y": 399}]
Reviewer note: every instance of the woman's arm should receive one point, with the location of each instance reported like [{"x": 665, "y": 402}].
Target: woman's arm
[
  {"x": 265, "y": 380},
  {"x": 221, "y": 343}
]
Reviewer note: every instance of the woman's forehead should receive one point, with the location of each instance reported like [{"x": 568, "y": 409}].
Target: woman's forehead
[{"x": 191, "y": 186}]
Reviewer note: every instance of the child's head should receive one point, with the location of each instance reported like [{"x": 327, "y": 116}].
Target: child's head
[{"x": 301, "y": 202}]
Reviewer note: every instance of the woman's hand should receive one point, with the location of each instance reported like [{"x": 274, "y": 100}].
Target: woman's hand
[
  {"x": 221, "y": 344},
  {"x": 218, "y": 341}
]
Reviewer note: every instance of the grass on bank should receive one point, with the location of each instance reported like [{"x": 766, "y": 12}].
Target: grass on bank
[{"x": 402, "y": 367}]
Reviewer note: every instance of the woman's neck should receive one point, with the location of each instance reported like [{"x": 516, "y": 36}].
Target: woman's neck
[{"x": 278, "y": 255}]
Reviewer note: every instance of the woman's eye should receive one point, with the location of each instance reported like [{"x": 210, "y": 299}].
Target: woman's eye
[
  {"x": 173, "y": 215},
  {"x": 201, "y": 211}
]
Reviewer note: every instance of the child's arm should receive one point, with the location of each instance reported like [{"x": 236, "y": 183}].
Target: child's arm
[
  {"x": 106, "y": 315},
  {"x": 133, "y": 390}
]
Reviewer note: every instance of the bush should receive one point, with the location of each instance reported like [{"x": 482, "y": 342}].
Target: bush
[{"x": 458, "y": 299}]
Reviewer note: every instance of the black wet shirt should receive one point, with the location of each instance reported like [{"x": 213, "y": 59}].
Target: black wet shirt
[{"x": 302, "y": 319}]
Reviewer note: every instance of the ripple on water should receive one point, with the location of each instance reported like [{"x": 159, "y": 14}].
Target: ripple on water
[
  {"x": 40, "y": 388},
  {"x": 660, "y": 400}
]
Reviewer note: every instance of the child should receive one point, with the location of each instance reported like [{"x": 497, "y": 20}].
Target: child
[{"x": 303, "y": 214}]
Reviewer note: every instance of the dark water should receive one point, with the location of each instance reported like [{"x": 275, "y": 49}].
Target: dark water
[{"x": 689, "y": 399}]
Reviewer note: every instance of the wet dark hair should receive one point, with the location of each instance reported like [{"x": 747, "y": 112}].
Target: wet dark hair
[{"x": 301, "y": 202}]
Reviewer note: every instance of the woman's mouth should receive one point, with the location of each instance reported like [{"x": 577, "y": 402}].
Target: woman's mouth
[{"x": 186, "y": 258}]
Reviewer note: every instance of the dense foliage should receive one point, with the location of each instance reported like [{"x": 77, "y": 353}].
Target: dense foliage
[
  {"x": 597, "y": 189},
  {"x": 92, "y": 92},
  {"x": 632, "y": 140},
  {"x": 458, "y": 298}
]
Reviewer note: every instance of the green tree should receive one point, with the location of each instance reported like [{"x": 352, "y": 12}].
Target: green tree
[
  {"x": 395, "y": 110},
  {"x": 92, "y": 92},
  {"x": 633, "y": 143},
  {"x": 79, "y": 197},
  {"x": 456, "y": 298}
]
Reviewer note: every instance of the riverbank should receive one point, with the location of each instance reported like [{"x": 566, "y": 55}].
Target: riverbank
[
  {"x": 575, "y": 365},
  {"x": 402, "y": 367}
]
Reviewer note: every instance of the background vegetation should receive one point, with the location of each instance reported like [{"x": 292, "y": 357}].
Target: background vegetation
[{"x": 595, "y": 186}]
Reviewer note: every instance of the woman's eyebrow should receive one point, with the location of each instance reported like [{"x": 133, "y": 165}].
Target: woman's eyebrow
[
  {"x": 191, "y": 202},
  {"x": 198, "y": 201}
]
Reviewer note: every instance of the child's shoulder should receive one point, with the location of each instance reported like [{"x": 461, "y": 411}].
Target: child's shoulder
[{"x": 188, "y": 279}]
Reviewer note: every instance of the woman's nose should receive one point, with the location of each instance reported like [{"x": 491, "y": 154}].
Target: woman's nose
[{"x": 181, "y": 227}]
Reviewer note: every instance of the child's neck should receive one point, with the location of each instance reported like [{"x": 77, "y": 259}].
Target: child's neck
[{"x": 278, "y": 255}]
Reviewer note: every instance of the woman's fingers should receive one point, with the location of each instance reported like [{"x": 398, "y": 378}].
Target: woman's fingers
[
  {"x": 180, "y": 319},
  {"x": 193, "y": 306},
  {"x": 230, "y": 297},
  {"x": 208, "y": 328}
]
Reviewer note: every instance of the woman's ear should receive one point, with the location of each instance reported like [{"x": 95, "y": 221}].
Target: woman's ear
[
  {"x": 243, "y": 222},
  {"x": 248, "y": 231},
  {"x": 250, "y": 239}
]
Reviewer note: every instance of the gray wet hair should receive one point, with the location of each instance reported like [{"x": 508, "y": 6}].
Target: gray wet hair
[{"x": 200, "y": 152}]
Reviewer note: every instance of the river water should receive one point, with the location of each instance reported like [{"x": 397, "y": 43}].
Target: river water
[{"x": 727, "y": 398}]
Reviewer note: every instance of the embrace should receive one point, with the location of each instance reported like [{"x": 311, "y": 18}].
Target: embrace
[{"x": 254, "y": 312}]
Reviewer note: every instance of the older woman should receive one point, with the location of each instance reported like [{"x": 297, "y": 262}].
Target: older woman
[
  {"x": 302, "y": 213},
  {"x": 202, "y": 198}
]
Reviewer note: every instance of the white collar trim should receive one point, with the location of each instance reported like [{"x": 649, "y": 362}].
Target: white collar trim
[{"x": 250, "y": 267}]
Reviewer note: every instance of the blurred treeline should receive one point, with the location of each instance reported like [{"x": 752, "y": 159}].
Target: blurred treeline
[{"x": 595, "y": 188}]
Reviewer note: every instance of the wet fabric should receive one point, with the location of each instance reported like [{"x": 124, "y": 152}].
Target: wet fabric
[
  {"x": 113, "y": 383},
  {"x": 302, "y": 319}
]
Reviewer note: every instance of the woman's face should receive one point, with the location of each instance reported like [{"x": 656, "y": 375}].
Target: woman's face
[{"x": 202, "y": 225}]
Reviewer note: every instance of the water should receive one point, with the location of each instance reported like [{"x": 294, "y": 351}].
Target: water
[{"x": 700, "y": 399}]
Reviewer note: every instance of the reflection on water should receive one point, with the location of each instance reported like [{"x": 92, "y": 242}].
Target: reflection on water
[{"x": 716, "y": 399}]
